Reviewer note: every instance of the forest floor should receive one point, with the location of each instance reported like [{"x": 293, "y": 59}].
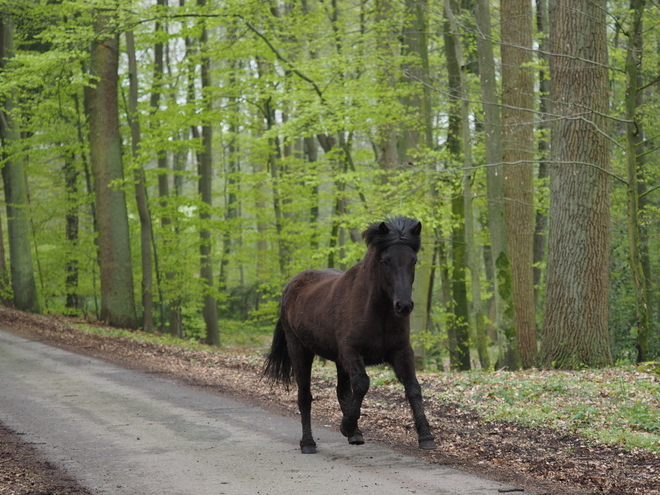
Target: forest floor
[{"x": 538, "y": 460}]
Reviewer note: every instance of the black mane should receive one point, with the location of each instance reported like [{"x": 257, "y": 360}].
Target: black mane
[{"x": 394, "y": 230}]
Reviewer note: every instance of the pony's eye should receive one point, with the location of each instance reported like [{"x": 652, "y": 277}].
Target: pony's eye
[{"x": 385, "y": 262}]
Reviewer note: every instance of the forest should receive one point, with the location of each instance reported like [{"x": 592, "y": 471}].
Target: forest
[{"x": 169, "y": 165}]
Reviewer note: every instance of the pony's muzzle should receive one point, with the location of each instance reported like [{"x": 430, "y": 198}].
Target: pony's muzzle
[{"x": 403, "y": 308}]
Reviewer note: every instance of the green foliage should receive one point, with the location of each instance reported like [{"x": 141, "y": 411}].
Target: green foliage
[{"x": 281, "y": 78}]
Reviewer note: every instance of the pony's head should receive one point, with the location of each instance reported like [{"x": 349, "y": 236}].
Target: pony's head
[{"x": 395, "y": 243}]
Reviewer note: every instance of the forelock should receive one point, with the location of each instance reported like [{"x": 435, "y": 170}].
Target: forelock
[{"x": 399, "y": 231}]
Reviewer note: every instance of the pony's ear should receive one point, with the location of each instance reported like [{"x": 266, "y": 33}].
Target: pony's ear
[
  {"x": 416, "y": 229},
  {"x": 383, "y": 229}
]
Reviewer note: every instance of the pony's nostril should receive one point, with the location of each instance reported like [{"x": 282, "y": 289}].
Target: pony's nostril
[{"x": 403, "y": 308}]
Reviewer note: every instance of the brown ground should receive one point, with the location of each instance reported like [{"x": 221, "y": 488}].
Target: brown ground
[{"x": 535, "y": 459}]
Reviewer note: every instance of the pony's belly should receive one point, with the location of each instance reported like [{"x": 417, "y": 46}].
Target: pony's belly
[
  {"x": 373, "y": 355},
  {"x": 374, "y": 361}
]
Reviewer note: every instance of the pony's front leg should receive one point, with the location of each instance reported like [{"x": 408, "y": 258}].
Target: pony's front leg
[
  {"x": 359, "y": 385},
  {"x": 404, "y": 367}
]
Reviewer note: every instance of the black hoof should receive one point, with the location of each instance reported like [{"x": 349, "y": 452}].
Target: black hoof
[
  {"x": 356, "y": 439},
  {"x": 308, "y": 449},
  {"x": 308, "y": 446},
  {"x": 428, "y": 444}
]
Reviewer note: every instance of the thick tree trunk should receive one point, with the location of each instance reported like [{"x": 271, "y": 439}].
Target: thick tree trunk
[
  {"x": 15, "y": 183},
  {"x": 518, "y": 155},
  {"x": 575, "y": 331},
  {"x": 117, "y": 303}
]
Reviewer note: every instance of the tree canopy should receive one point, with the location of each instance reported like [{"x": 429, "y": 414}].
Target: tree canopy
[{"x": 255, "y": 139}]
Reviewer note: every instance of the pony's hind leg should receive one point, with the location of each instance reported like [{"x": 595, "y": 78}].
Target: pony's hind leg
[
  {"x": 302, "y": 365},
  {"x": 344, "y": 396}
]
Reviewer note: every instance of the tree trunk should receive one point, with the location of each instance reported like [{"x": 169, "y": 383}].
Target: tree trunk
[
  {"x": 72, "y": 223},
  {"x": 168, "y": 308},
  {"x": 5, "y": 282},
  {"x": 140, "y": 189},
  {"x": 205, "y": 164},
  {"x": 388, "y": 157},
  {"x": 543, "y": 149},
  {"x": 415, "y": 71},
  {"x": 575, "y": 331},
  {"x": 634, "y": 165},
  {"x": 15, "y": 183},
  {"x": 508, "y": 345},
  {"x": 117, "y": 303},
  {"x": 518, "y": 156},
  {"x": 311, "y": 155},
  {"x": 89, "y": 188},
  {"x": 420, "y": 317},
  {"x": 470, "y": 244},
  {"x": 460, "y": 359},
  {"x": 412, "y": 68}
]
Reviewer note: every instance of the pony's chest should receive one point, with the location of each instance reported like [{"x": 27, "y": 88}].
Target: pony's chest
[{"x": 377, "y": 349}]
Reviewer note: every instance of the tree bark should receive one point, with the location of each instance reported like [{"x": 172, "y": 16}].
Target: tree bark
[
  {"x": 72, "y": 229},
  {"x": 518, "y": 155},
  {"x": 471, "y": 258},
  {"x": 543, "y": 148},
  {"x": 117, "y": 302},
  {"x": 460, "y": 358},
  {"x": 205, "y": 164},
  {"x": 146, "y": 233},
  {"x": 575, "y": 331},
  {"x": 507, "y": 343},
  {"x": 5, "y": 280},
  {"x": 23, "y": 282},
  {"x": 415, "y": 70},
  {"x": 388, "y": 157},
  {"x": 169, "y": 309},
  {"x": 634, "y": 165}
]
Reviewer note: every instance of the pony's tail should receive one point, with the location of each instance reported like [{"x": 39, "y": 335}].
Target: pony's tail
[{"x": 279, "y": 367}]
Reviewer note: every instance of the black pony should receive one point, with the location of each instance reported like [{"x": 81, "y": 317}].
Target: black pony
[{"x": 357, "y": 318}]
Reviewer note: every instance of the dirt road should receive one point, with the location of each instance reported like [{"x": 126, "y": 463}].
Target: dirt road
[{"x": 119, "y": 431}]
